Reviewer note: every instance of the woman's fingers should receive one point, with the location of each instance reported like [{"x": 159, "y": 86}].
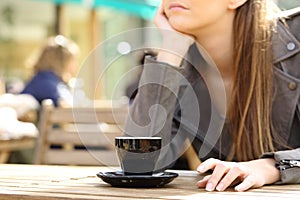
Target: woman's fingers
[
  {"x": 159, "y": 12},
  {"x": 230, "y": 178},
  {"x": 160, "y": 19},
  {"x": 202, "y": 183},
  {"x": 219, "y": 171},
  {"x": 207, "y": 165},
  {"x": 224, "y": 174},
  {"x": 246, "y": 184},
  {"x": 251, "y": 174}
]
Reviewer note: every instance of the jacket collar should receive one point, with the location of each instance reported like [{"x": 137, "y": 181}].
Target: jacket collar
[{"x": 284, "y": 44}]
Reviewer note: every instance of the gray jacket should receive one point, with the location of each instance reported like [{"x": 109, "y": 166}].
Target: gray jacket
[{"x": 176, "y": 104}]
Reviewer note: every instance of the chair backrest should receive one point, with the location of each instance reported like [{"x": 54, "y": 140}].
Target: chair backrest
[{"x": 79, "y": 135}]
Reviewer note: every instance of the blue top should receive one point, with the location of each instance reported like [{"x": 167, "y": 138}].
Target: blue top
[{"x": 47, "y": 85}]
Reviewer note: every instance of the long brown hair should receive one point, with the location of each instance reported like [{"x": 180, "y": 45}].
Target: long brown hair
[{"x": 250, "y": 111}]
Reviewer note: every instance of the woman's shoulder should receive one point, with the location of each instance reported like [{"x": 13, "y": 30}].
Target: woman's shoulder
[
  {"x": 46, "y": 76},
  {"x": 289, "y": 23},
  {"x": 293, "y": 21}
]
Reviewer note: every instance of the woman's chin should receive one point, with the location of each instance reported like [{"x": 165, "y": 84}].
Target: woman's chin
[
  {"x": 180, "y": 27},
  {"x": 182, "y": 30}
]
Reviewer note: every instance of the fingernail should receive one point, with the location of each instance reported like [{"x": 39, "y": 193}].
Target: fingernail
[
  {"x": 201, "y": 180},
  {"x": 201, "y": 168},
  {"x": 209, "y": 187},
  {"x": 220, "y": 187},
  {"x": 238, "y": 189}
]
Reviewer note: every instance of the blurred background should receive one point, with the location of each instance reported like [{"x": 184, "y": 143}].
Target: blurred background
[{"x": 25, "y": 24}]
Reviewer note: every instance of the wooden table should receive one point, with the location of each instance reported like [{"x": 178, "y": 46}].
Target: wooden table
[{"x": 67, "y": 182}]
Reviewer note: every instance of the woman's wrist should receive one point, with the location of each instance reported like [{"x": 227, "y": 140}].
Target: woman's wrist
[
  {"x": 173, "y": 53},
  {"x": 267, "y": 169},
  {"x": 274, "y": 174},
  {"x": 174, "y": 47},
  {"x": 170, "y": 58}
]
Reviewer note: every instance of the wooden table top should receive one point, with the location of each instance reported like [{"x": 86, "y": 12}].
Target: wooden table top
[{"x": 70, "y": 182}]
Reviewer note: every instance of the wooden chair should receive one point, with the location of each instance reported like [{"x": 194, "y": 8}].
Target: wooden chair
[
  {"x": 7, "y": 146},
  {"x": 191, "y": 156},
  {"x": 84, "y": 135}
]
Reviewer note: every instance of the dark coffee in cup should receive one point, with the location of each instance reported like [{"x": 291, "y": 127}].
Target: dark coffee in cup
[{"x": 138, "y": 155}]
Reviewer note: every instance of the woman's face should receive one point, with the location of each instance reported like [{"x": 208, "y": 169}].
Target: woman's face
[{"x": 192, "y": 16}]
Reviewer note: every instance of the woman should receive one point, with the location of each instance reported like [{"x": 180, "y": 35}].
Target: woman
[
  {"x": 257, "y": 60},
  {"x": 54, "y": 67}
]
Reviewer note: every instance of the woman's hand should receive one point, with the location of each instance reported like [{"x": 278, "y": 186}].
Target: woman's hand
[
  {"x": 244, "y": 175},
  {"x": 174, "y": 44},
  {"x": 161, "y": 20}
]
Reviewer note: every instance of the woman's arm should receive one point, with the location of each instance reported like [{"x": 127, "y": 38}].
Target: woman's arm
[
  {"x": 151, "y": 113},
  {"x": 152, "y": 110},
  {"x": 278, "y": 167}
]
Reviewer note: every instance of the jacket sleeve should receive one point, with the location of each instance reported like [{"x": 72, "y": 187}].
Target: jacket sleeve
[
  {"x": 289, "y": 174},
  {"x": 151, "y": 113}
]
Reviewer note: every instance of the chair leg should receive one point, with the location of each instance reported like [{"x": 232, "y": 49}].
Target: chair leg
[{"x": 4, "y": 155}]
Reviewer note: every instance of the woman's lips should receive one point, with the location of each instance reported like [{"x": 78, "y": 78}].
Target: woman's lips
[{"x": 176, "y": 7}]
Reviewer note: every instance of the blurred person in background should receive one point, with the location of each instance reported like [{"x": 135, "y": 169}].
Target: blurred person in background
[{"x": 53, "y": 69}]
